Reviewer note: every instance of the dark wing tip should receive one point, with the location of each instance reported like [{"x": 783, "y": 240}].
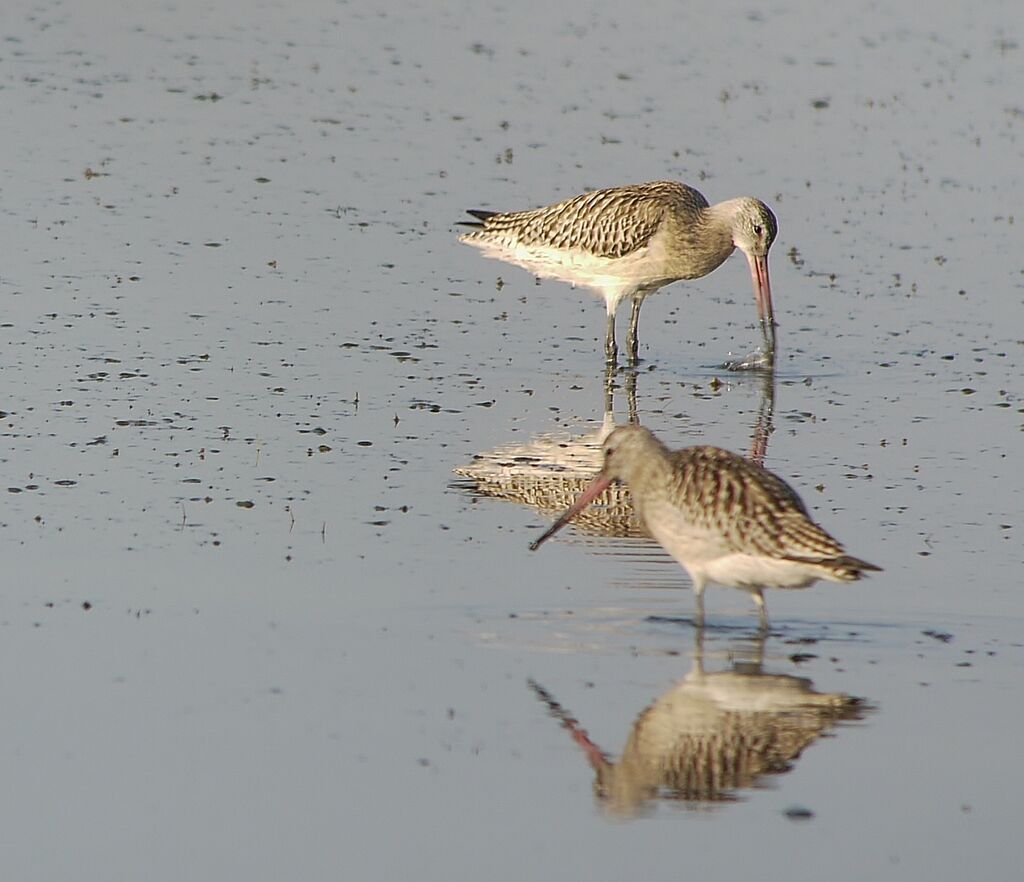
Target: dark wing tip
[
  {"x": 480, "y": 215},
  {"x": 848, "y": 569},
  {"x": 854, "y": 567}
]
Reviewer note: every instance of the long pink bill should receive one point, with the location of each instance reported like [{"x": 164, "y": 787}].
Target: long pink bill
[
  {"x": 763, "y": 297},
  {"x": 593, "y": 490}
]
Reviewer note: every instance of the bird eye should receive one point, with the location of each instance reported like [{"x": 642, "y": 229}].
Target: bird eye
[{"x": 758, "y": 229}]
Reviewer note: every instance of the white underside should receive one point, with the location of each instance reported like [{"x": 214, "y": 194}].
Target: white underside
[
  {"x": 709, "y": 560},
  {"x": 753, "y": 572},
  {"x": 612, "y": 278}
]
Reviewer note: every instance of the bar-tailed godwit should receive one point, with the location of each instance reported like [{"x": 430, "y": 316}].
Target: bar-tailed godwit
[
  {"x": 627, "y": 242},
  {"x": 725, "y": 519}
]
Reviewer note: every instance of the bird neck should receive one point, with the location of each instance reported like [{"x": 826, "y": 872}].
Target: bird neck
[
  {"x": 700, "y": 243},
  {"x": 648, "y": 463}
]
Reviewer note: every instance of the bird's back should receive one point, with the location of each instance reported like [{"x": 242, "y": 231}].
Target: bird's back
[
  {"x": 608, "y": 223},
  {"x": 750, "y": 510}
]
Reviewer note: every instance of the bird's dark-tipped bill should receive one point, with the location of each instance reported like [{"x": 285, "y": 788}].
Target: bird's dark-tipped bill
[
  {"x": 763, "y": 296},
  {"x": 592, "y": 491}
]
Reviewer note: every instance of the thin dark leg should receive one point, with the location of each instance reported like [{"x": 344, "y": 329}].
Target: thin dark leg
[
  {"x": 633, "y": 342},
  {"x": 611, "y": 351},
  {"x": 698, "y": 619},
  {"x": 761, "y": 609}
]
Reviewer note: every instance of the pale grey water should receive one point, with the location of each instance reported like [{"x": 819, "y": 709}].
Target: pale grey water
[{"x": 255, "y": 295}]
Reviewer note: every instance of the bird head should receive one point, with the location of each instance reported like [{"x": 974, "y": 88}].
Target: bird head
[{"x": 753, "y": 227}]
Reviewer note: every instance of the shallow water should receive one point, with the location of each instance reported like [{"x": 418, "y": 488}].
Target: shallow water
[{"x": 256, "y": 626}]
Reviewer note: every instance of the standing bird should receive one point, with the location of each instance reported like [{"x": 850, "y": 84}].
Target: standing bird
[
  {"x": 630, "y": 241},
  {"x": 725, "y": 519}
]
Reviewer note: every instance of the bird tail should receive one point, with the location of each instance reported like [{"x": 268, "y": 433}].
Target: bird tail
[
  {"x": 837, "y": 569},
  {"x": 481, "y": 217},
  {"x": 850, "y": 569}
]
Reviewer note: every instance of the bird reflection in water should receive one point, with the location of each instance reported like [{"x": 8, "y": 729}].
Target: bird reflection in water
[
  {"x": 712, "y": 736},
  {"x": 551, "y": 470}
]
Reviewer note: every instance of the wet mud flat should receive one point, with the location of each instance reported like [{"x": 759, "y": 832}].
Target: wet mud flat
[{"x": 275, "y": 445}]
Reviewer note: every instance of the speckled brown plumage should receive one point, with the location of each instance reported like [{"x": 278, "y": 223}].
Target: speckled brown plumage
[
  {"x": 725, "y": 519},
  {"x": 752, "y": 509},
  {"x": 612, "y": 222},
  {"x": 628, "y": 242}
]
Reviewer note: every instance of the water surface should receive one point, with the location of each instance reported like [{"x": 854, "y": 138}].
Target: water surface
[{"x": 255, "y": 625}]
